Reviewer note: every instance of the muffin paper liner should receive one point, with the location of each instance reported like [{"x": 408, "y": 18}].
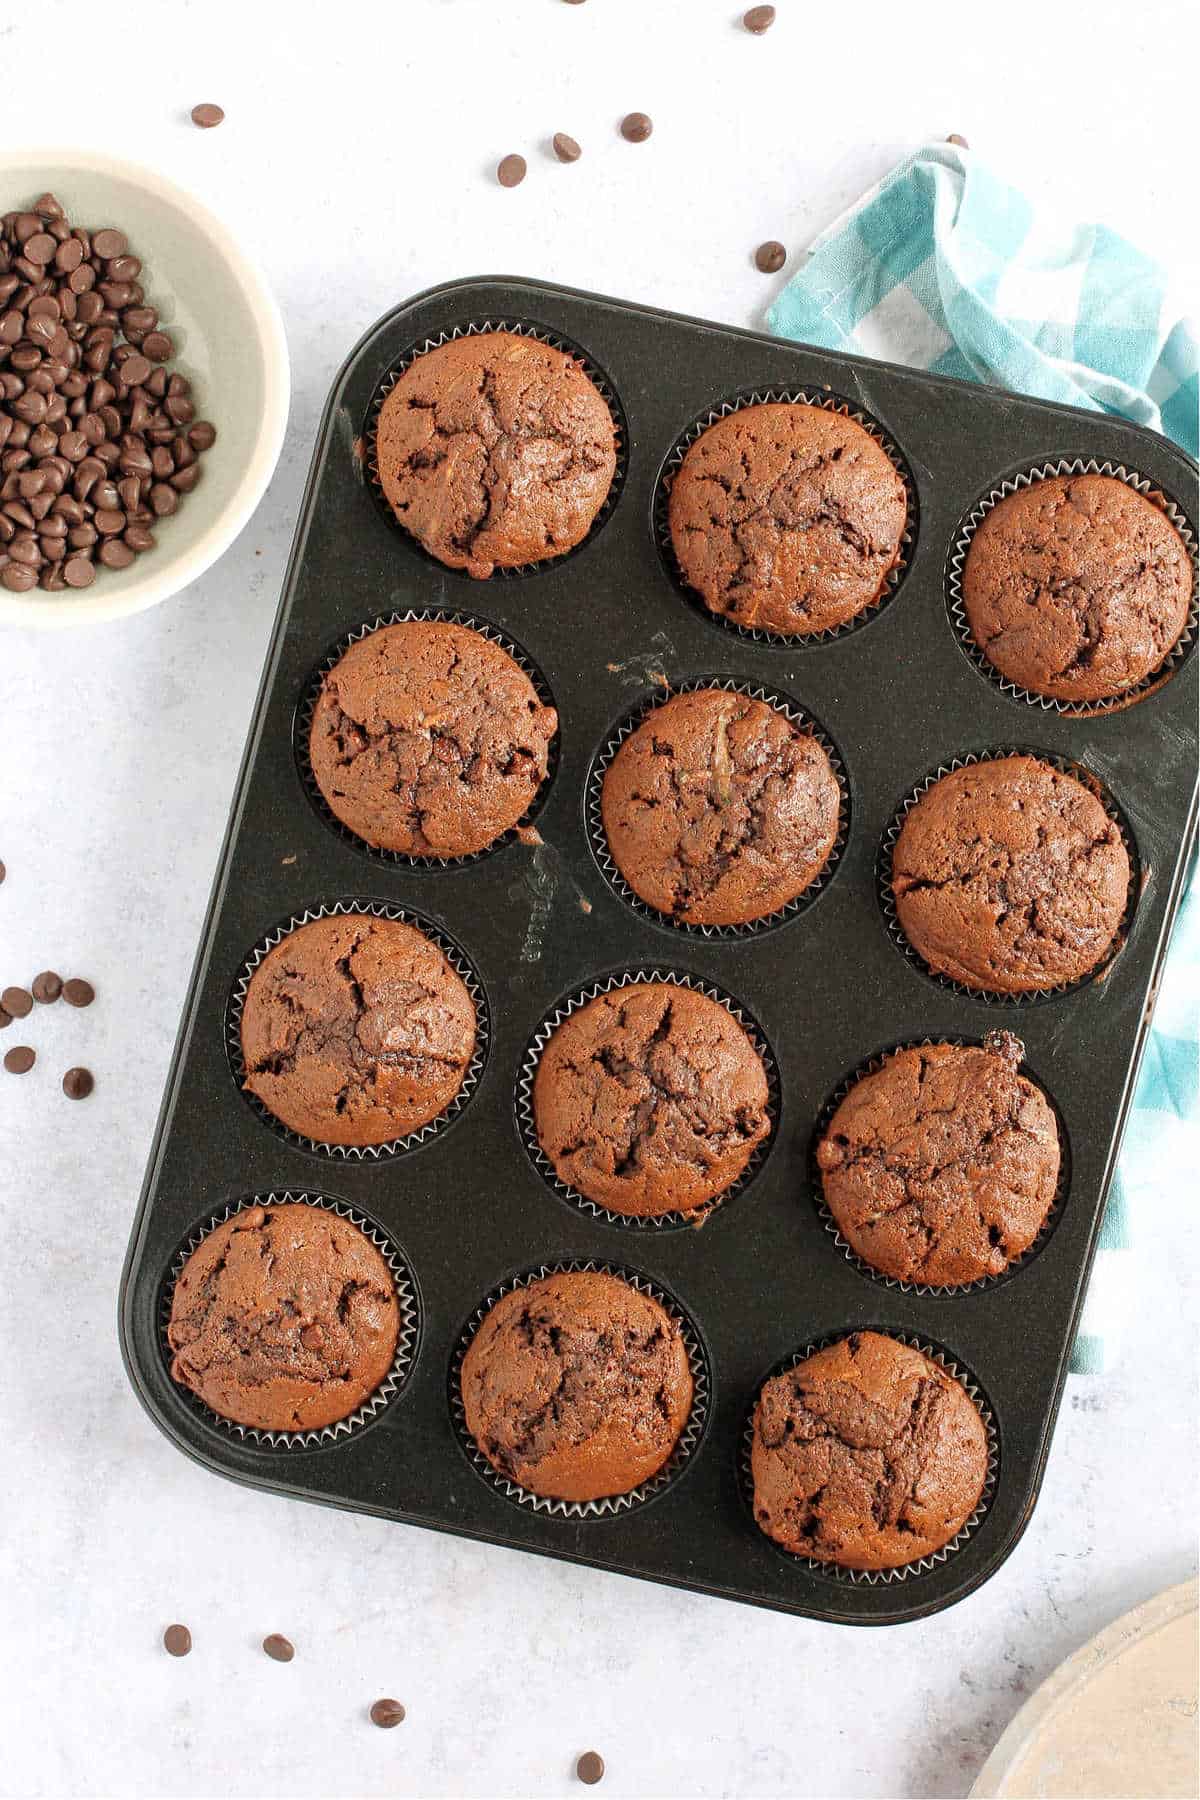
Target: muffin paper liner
[
  {"x": 1070, "y": 709},
  {"x": 302, "y": 724},
  {"x": 883, "y": 877},
  {"x": 801, "y": 396},
  {"x": 406, "y": 1342},
  {"x": 612, "y": 1504},
  {"x": 458, "y": 960},
  {"x": 871, "y": 1066},
  {"x": 921, "y": 1565},
  {"x": 599, "y": 839},
  {"x": 479, "y": 328},
  {"x": 527, "y": 1126}
]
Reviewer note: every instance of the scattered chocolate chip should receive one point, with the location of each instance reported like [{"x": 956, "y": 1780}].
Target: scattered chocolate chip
[
  {"x": 16, "y": 1002},
  {"x": 590, "y": 1768},
  {"x": 5, "y": 1019},
  {"x": 759, "y": 19},
  {"x": 77, "y": 1084},
  {"x": 78, "y": 993},
  {"x": 636, "y": 127},
  {"x": 207, "y": 115},
  {"x": 960, "y": 141},
  {"x": 46, "y": 987},
  {"x": 3, "y": 871},
  {"x": 770, "y": 257},
  {"x": 278, "y": 1648},
  {"x": 177, "y": 1640},
  {"x": 20, "y": 1059},
  {"x": 510, "y": 171},
  {"x": 386, "y": 1713},
  {"x": 565, "y": 148}
]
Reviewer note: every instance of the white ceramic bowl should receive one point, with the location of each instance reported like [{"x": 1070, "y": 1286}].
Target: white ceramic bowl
[{"x": 229, "y": 342}]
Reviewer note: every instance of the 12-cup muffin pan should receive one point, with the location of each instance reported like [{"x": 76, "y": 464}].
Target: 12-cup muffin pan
[{"x": 468, "y": 1208}]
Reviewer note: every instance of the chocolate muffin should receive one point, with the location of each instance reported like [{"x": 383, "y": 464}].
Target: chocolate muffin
[
  {"x": 787, "y": 517},
  {"x": 284, "y": 1318},
  {"x": 495, "y": 450},
  {"x": 1010, "y": 876},
  {"x": 650, "y": 1099},
  {"x": 427, "y": 738},
  {"x": 718, "y": 809},
  {"x": 1077, "y": 587},
  {"x": 577, "y": 1386},
  {"x": 868, "y": 1455},
  {"x": 356, "y": 1030},
  {"x": 940, "y": 1167}
]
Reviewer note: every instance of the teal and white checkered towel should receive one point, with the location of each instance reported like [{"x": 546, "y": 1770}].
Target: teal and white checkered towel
[{"x": 945, "y": 267}]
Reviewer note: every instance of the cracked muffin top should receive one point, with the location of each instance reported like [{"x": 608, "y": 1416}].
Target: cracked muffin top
[
  {"x": 577, "y": 1386},
  {"x": 495, "y": 450},
  {"x": 428, "y": 739},
  {"x": 284, "y": 1318},
  {"x": 1009, "y": 875},
  {"x": 868, "y": 1454},
  {"x": 718, "y": 809},
  {"x": 787, "y": 517},
  {"x": 356, "y": 1030},
  {"x": 650, "y": 1099},
  {"x": 1077, "y": 587},
  {"x": 941, "y": 1166}
]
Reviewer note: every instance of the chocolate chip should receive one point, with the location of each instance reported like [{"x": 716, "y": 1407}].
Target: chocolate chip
[
  {"x": 387, "y": 1713},
  {"x": 759, "y": 19},
  {"x": 590, "y": 1768},
  {"x": 20, "y": 1059},
  {"x": 636, "y": 127},
  {"x": 770, "y": 257},
  {"x": 954, "y": 138},
  {"x": 5, "y": 1019},
  {"x": 78, "y": 993},
  {"x": 77, "y": 1084},
  {"x": 177, "y": 1640},
  {"x": 207, "y": 115},
  {"x": 278, "y": 1648},
  {"x": 3, "y": 871},
  {"x": 565, "y": 148},
  {"x": 108, "y": 243},
  {"x": 510, "y": 171},
  {"x": 16, "y": 1002},
  {"x": 46, "y": 987}
]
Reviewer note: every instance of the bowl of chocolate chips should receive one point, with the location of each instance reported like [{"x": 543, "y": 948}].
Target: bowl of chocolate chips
[{"x": 143, "y": 388}]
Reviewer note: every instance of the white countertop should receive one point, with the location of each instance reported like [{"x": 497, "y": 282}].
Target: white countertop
[{"x": 355, "y": 159}]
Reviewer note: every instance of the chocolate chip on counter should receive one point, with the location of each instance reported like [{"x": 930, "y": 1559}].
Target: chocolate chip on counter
[
  {"x": 207, "y": 115},
  {"x": 278, "y": 1648},
  {"x": 16, "y": 1002},
  {"x": 77, "y": 992},
  {"x": 177, "y": 1640},
  {"x": 590, "y": 1768},
  {"x": 46, "y": 987},
  {"x": 954, "y": 138},
  {"x": 759, "y": 19},
  {"x": 510, "y": 171},
  {"x": 20, "y": 1059},
  {"x": 77, "y": 1084},
  {"x": 770, "y": 257},
  {"x": 636, "y": 127},
  {"x": 565, "y": 148},
  {"x": 387, "y": 1713}
]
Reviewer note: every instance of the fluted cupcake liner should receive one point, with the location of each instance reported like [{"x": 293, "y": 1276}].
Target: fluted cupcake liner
[
  {"x": 480, "y": 328},
  {"x": 302, "y": 726},
  {"x": 406, "y": 1342},
  {"x": 800, "y": 396},
  {"x": 689, "y": 1437},
  {"x": 527, "y": 1124},
  {"x": 598, "y": 838},
  {"x": 871, "y": 1066},
  {"x": 1068, "y": 709},
  {"x": 459, "y": 962},
  {"x": 988, "y": 997},
  {"x": 831, "y": 1571}
]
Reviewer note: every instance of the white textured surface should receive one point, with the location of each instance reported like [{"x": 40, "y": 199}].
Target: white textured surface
[{"x": 355, "y": 159}]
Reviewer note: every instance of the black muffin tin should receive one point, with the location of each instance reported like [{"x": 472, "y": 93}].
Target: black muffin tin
[{"x": 467, "y": 1209}]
